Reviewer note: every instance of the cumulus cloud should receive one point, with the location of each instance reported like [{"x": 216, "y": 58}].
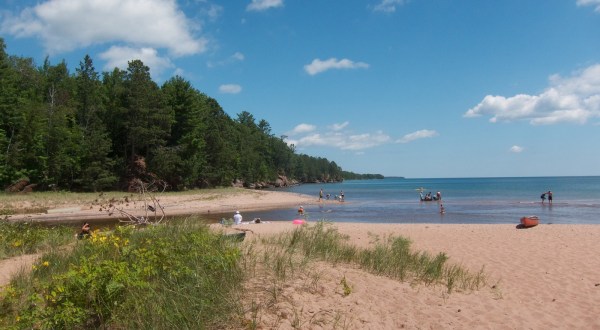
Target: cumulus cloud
[
  {"x": 230, "y": 89},
  {"x": 516, "y": 149},
  {"x": 335, "y": 137},
  {"x": 343, "y": 141},
  {"x": 261, "y": 5},
  {"x": 317, "y": 66},
  {"x": 574, "y": 99},
  {"x": 389, "y": 6},
  {"x": 118, "y": 57},
  {"x": 595, "y": 3},
  {"x": 64, "y": 25},
  {"x": 339, "y": 127},
  {"x": 302, "y": 128},
  {"x": 421, "y": 134}
]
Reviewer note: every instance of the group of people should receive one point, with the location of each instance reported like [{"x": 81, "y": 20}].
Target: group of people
[
  {"x": 429, "y": 197},
  {"x": 544, "y": 194},
  {"x": 339, "y": 197}
]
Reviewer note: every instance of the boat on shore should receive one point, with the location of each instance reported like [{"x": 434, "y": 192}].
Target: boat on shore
[{"x": 530, "y": 221}]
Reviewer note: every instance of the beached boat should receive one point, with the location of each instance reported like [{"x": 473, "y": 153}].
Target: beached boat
[{"x": 530, "y": 221}]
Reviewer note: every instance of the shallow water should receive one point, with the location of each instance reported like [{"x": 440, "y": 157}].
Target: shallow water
[{"x": 466, "y": 200}]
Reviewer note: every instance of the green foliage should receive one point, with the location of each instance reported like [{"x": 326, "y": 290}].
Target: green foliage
[
  {"x": 392, "y": 258},
  {"x": 177, "y": 276},
  {"x": 355, "y": 176},
  {"x": 90, "y": 131},
  {"x": 25, "y": 237}
]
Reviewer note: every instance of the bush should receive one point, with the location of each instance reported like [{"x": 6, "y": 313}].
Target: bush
[{"x": 176, "y": 276}]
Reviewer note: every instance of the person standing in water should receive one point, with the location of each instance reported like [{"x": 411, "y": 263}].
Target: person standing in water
[
  {"x": 321, "y": 195},
  {"x": 549, "y": 196},
  {"x": 543, "y": 197}
]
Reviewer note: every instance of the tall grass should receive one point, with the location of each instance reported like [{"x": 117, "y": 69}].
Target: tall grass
[
  {"x": 26, "y": 237},
  {"x": 392, "y": 257},
  {"x": 179, "y": 276}
]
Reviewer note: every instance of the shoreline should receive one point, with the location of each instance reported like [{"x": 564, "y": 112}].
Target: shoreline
[
  {"x": 203, "y": 203},
  {"x": 536, "y": 278}
]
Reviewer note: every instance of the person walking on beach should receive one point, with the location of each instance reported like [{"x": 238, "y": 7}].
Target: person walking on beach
[
  {"x": 543, "y": 197},
  {"x": 237, "y": 218},
  {"x": 549, "y": 197}
]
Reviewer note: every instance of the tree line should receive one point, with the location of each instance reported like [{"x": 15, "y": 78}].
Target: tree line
[{"x": 92, "y": 131}]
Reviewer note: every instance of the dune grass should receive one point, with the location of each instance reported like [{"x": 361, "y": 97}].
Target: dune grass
[
  {"x": 182, "y": 275},
  {"x": 274, "y": 264},
  {"x": 26, "y": 238},
  {"x": 392, "y": 258}
]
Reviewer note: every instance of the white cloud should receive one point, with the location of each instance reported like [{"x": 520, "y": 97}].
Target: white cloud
[
  {"x": 230, "y": 89},
  {"x": 339, "y": 127},
  {"x": 574, "y": 99},
  {"x": 335, "y": 137},
  {"x": 302, "y": 128},
  {"x": 318, "y": 66},
  {"x": 421, "y": 134},
  {"x": 516, "y": 149},
  {"x": 595, "y": 3},
  {"x": 236, "y": 57},
  {"x": 389, "y": 6},
  {"x": 64, "y": 25},
  {"x": 343, "y": 141},
  {"x": 260, "y": 5},
  {"x": 118, "y": 57}
]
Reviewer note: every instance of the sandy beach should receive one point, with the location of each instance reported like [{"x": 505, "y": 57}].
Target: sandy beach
[
  {"x": 212, "y": 201},
  {"x": 545, "y": 277}
]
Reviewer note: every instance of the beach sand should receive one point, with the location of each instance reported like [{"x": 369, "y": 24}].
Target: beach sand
[
  {"x": 205, "y": 202},
  {"x": 545, "y": 277}
]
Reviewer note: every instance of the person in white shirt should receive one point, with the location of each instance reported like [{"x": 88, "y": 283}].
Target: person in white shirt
[{"x": 237, "y": 218}]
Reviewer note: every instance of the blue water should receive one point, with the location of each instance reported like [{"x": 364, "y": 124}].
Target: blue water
[{"x": 468, "y": 200}]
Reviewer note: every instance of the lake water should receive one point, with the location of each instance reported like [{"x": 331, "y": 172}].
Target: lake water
[{"x": 468, "y": 200}]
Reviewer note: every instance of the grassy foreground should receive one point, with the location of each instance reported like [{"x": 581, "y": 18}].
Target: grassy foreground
[
  {"x": 163, "y": 277},
  {"x": 185, "y": 276},
  {"x": 26, "y": 238}
]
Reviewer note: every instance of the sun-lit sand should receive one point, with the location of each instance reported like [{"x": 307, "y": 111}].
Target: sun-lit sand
[{"x": 545, "y": 277}]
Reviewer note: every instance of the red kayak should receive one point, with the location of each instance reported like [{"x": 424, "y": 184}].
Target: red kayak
[{"x": 530, "y": 221}]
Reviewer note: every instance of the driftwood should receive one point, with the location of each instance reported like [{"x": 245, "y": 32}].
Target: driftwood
[{"x": 153, "y": 211}]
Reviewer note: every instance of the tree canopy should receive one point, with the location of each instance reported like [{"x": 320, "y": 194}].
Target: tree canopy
[{"x": 92, "y": 131}]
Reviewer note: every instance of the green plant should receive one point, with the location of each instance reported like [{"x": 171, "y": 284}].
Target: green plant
[
  {"x": 17, "y": 238},
  {"x": 187, "y": 273},
  {"x": 345, "y": 287}
]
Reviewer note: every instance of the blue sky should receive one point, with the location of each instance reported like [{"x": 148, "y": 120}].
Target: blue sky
[{"x": 414, "y": 88}]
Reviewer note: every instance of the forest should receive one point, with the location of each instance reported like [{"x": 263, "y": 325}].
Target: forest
[{"x": 95, "y": 131}]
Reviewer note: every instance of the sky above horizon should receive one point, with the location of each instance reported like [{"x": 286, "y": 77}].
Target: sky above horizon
[{"x": 413, "y": 88}]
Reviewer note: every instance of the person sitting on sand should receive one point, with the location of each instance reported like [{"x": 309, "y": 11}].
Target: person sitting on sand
[
  {"x": 85, "y": 231},
  {"x": 237, "y": 218}
]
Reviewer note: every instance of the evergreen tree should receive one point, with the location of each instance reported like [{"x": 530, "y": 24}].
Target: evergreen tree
[{"x": 95, "y": 162}]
